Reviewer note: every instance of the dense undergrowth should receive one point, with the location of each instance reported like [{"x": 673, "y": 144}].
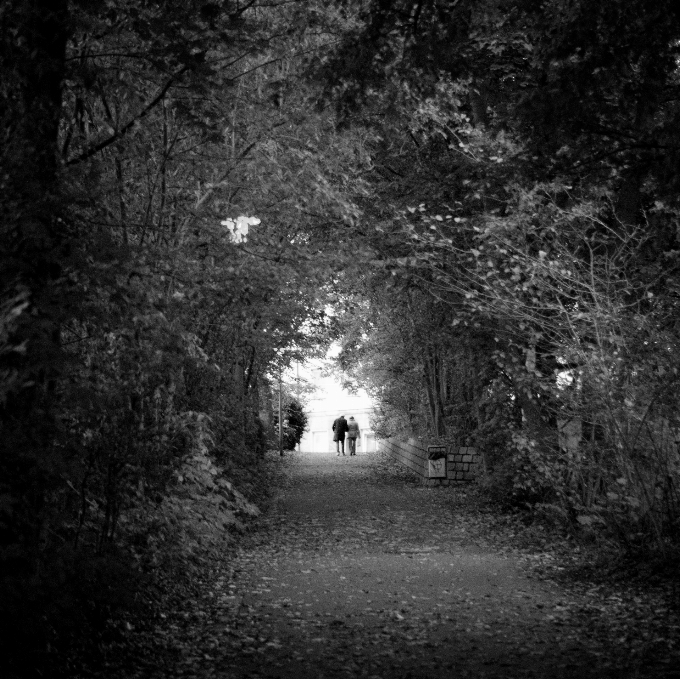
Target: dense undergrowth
[{"x": 89, "y": 604}]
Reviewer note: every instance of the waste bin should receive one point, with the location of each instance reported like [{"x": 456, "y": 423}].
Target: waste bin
[{"x": 436, "y": 462}]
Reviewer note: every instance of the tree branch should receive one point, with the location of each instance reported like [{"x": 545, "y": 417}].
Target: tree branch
[{"x": 123, "y": 130}]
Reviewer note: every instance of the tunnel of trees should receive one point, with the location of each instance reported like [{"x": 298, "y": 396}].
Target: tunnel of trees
[{"x": 477, "y": 198}]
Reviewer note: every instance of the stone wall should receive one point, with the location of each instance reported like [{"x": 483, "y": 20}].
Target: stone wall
[
  {"x": 411, "y": 453},
  {"x": 462, "y": 463}
]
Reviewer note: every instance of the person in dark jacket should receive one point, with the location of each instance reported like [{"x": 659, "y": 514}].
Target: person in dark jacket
[{"x": 339, "y": 431}]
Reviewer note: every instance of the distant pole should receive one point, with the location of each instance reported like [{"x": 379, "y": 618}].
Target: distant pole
[
  {"x": 280, "y": 419},
  {"x": 297, "y": 389}
]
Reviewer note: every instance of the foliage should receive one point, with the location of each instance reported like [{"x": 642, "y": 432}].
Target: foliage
[
  {"x": 296, "y": 424},
  {"x": 496, "y": 233},
  {"x": 137, "y": 333},
  {"x": 513, "y": 190},
  {"x": 189, "y": 524}
]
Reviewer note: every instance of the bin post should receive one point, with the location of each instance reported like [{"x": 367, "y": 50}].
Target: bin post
[{"x": 280, "y": 419}]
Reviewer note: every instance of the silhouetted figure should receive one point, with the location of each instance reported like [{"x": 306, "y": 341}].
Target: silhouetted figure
[
  {"x": 340, "y": 429},
  {"x": 352, "y": 435}
]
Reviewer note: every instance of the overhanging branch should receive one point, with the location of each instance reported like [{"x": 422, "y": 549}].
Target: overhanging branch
[{"x": 93, "y": 150}]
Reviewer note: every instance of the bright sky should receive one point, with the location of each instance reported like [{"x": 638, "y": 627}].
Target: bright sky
[{"x": 329, "y": 395}]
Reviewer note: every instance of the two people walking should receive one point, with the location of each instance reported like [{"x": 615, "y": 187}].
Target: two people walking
[{"x": 342, "y": 427}]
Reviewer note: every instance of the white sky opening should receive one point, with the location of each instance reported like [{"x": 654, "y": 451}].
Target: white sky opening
[{"x": 326, "y": 402}]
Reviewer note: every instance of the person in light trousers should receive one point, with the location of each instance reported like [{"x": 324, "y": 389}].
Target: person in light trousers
[{"x": 352, "y": 435}]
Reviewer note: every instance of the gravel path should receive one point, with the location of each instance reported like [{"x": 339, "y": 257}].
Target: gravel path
[{"x": 358, "y": 571}]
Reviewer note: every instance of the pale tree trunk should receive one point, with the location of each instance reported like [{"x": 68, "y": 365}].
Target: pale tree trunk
[
  {"x": 432, "y": 386},
  {"x": 538, "y": 429},
  {"x": 478, "y": 104}
]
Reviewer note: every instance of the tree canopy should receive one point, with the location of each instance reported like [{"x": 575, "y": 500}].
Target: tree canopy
[{"x": 526, "y": 242}]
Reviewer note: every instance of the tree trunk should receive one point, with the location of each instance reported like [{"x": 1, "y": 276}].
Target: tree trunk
[
  {"x": 32, "y": 243},
  {"x": 431, "y": 378},
  {"x": 478, "y": 104},
  {"x": 536, "y": 426}
]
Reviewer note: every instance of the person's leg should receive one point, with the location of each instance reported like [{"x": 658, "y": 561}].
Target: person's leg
[{"x": 342, "y": 443}]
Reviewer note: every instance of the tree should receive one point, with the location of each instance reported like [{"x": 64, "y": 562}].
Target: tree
[
  {"x": 297, "y": 424},
  {"x": 546, "y": 223},
  {"x": 34, "y": 242},
  {"x": 137, "y": 333}
]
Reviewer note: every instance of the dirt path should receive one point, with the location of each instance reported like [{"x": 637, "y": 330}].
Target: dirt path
[{"x": 358, "y": 571}]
